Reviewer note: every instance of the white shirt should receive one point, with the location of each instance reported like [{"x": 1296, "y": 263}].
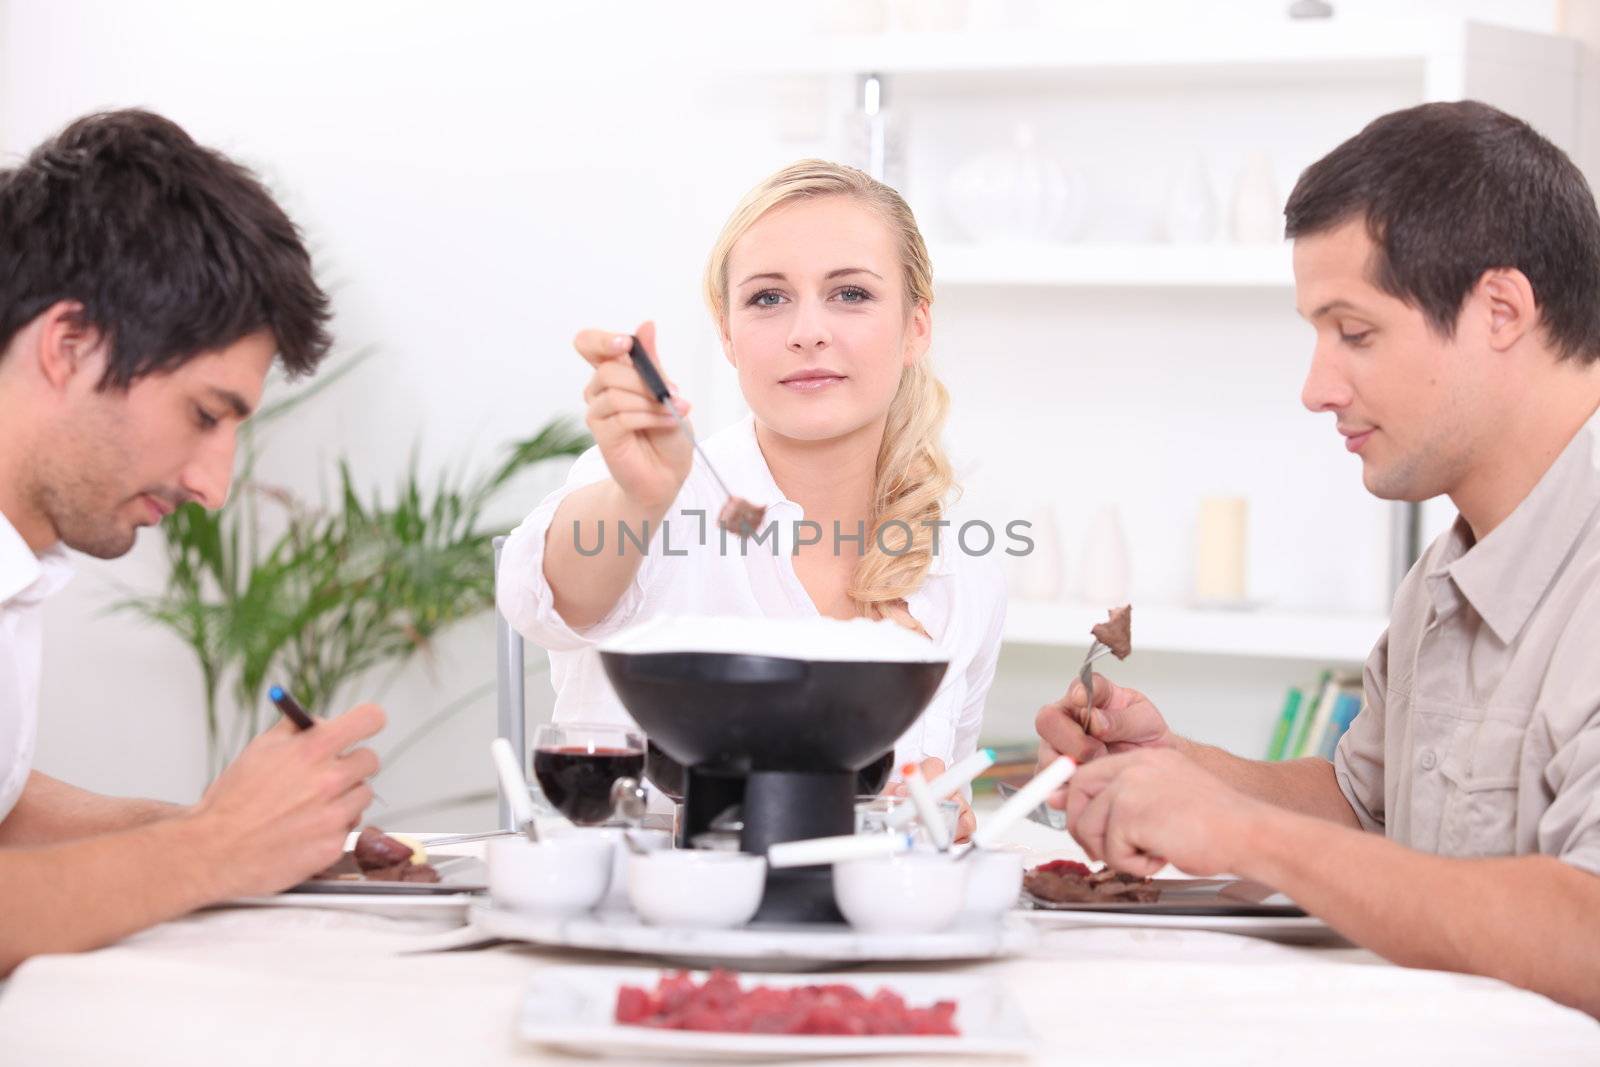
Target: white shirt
[
  {"x": 961, "y": 602},
  {"x": 25, "y": 581}
]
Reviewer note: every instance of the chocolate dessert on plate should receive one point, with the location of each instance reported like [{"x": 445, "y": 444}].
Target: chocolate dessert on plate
[
  {"x": 1067, "y": 885},
  {"x": 376, "y": 857}
]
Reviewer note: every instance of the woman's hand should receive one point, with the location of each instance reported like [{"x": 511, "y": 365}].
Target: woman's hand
[
  {"x": 966, "y": 821},
  {"x": 648, "y": 455}
]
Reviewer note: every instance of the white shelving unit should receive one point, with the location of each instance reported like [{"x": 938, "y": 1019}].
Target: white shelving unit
[
  {"x": 1449, "y": 58},
  {"x": 1119, "y": 266},
  {"x": 1259, "y": 632},
  {"x": 1535, "y": 76},
  {"x": 1322, "y": 62}
]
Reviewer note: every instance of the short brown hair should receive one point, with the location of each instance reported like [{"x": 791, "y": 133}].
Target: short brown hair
[
  {"x": 172, "y": 248},
  {"x": 1451, "y": 190}
]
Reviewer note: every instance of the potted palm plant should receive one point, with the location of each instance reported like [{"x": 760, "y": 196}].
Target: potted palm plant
[{"x": 271, "y": 589}]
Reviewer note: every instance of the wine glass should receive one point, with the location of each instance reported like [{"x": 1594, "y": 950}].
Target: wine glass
[{"x": 586, "y": 769}]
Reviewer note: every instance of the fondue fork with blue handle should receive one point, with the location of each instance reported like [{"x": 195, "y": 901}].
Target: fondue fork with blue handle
[{"x": 290, "y": 708}]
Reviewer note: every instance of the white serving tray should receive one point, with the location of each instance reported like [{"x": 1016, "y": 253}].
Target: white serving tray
[
  {"x": 775, "y": 947},
  {"x": 1290, "y": 930},
  {"x": 574, "y": 1009}
]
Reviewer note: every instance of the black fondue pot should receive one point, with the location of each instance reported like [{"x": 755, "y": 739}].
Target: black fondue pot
[{"x": 785, "y": 739}]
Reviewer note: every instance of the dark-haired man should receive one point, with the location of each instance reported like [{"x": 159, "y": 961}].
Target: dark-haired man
[
  {"x": 146, "y": 286},
  {"x": 1448, "y": 258}
]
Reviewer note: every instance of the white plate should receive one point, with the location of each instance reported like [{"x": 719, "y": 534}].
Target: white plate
[
  {"x": 787, "y": 948},
  {"x": 450, "y": 907},
  {"x": 457, "y": 874},
  {"x": 461, "y": 877},
  {"x": 1302, "y": 930},
  {"x": 574, "y": 1008}
]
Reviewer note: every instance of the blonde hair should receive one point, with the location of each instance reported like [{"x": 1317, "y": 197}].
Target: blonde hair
[{"x": 913, "y": 475}]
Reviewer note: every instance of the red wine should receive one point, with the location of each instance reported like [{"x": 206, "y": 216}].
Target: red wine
[
  {"x": 578, "y": 781},
  {"x": 664, "y": 772}
]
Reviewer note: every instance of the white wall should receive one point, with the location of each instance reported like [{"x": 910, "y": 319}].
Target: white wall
[
  {"x": 480, "y": 180},
  {"x": 478, "y": 186}
]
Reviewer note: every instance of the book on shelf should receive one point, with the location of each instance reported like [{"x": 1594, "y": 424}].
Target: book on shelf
[
  {"x": 1014, "y": 764},
  {"x": 1304, "y": 717},
  {"x": 1344, "y": 712},
  {"x": 1285, "y": 728},
  {"x": 1312, "y": 720}
]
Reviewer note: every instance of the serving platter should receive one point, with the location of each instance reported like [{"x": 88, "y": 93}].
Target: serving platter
[
  {"x": 1304, "y": 930},
  {"x": 1189, "y": 897},
  {"x": 1218, "y": 905},
  {"x": 574, "y": 1009},
  {"x": 775, "y": 947}
]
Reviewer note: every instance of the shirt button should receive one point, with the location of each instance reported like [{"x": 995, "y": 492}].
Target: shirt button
[{"x": 1428, "y": 760}]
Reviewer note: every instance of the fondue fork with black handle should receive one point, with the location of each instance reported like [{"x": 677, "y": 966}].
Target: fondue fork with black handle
[{"x": 653, "y": 381}]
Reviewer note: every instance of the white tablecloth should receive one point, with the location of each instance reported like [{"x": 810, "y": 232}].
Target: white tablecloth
[{"x": 277, "y": 986}]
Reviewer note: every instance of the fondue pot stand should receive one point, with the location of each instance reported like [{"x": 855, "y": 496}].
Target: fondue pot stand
[{"x": 782, "y": 738}]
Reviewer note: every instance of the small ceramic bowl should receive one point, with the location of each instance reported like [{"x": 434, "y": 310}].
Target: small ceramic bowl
[
  {"x": 558, "y": 877},
  {"x": 912, "y": 893},
  {"x": 696, "y": 888},
  {"x": 994, "y": 882},
  {"x": 650, "y": 840}
]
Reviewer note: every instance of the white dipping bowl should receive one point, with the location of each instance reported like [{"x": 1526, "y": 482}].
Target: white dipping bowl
[
  {"x": 912, "y": 893},
  {"x": 559, "y": 877},
  {"x": 696, "y": 888},
  {"x": 616, "y": 898},
  {"x": 994, "y": 882}
]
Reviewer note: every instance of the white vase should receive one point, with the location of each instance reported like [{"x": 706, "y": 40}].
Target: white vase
[
  {"x": 1038, "y": 574},
  {"x": 1257, "y": 207},
  {"x": 1019, "y": 194},
  {"x": 930, "y": 16},
  {"x": 853, "y": 16},
  {"x": 1104, "y": 571},
  {"x": 1190, "y": 213}
]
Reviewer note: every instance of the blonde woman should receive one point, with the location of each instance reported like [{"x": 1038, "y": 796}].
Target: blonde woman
[{"x": 822, "y": 292}]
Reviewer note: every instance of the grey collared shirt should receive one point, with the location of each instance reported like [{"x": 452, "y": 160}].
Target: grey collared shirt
[{"x": 1481, "y": 730}]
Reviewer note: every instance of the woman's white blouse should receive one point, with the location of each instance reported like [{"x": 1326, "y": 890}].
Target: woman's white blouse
[{"x": 687, "y": 572}]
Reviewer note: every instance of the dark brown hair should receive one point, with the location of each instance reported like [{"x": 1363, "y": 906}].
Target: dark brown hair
[
  {"x": 172, "y": 249},
  {"x": 1451, "y": 190}
]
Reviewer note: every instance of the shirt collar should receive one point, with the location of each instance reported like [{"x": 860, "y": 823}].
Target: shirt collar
[
  {"x": 1506, "y": 574},
  {"x": 752, "y": 477},
  {"x": 26, "y": 577}
]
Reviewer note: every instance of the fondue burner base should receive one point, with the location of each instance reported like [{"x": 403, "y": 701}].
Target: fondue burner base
[
  {"x": 792, "y": 806},
  {"x": 778, "y": 806}
]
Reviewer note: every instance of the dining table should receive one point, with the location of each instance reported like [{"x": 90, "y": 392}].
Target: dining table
[{"x": 288, "y": 985}]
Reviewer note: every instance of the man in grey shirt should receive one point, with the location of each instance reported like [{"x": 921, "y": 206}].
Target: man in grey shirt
[{"x": 1448, "y": 258}]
